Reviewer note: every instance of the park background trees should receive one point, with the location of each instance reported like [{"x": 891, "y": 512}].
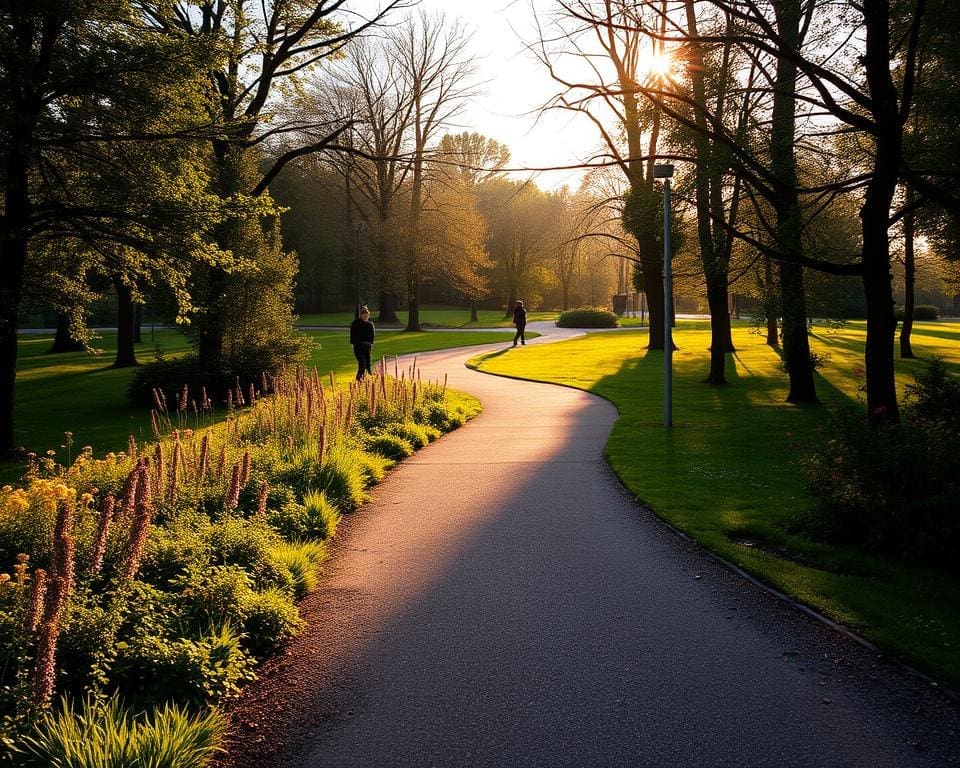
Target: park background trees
[{"x": 237, "y": 161}]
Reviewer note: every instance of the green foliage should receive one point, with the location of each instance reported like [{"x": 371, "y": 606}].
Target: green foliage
[
  {"x": 892, "y": 488},
  {"x": 418, "y": 435},
  {"x": 271, "y": 618},
  {"x": 182, "y": 545},
  {"x": 301, "y": 559},
  {"x": 392, "y": 446},
  {"x": 105, "y": 734},
  {"x": 207, "y": 669},
  {"x": 587, "y": 317},
  {"x": 341, "y": 477},
  {"x": 316, "y": 518},
  {"x": 920, "y": 312}
]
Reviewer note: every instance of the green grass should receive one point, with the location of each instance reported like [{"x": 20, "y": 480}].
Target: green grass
[
  {"x": 78, "y": 392},
  {"x": 729, "y": 474},
  {"x": 433, "y": 317}
]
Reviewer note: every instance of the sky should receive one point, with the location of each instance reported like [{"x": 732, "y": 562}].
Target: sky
[{"x": 514, "y": 86}]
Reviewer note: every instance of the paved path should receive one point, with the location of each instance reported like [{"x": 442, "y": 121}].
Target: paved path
[{"x": 503, "y": 602}]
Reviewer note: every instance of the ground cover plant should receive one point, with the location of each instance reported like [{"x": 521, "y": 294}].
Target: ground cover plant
[
  {"x": 162, "y": 573},
  {"x": 732, "y": 473}
]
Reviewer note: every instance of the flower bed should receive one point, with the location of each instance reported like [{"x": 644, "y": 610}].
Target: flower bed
[{"x": 164, "y": 573}]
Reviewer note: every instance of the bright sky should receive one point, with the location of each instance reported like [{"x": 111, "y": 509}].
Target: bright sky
[{"x": 515, "y": 86}]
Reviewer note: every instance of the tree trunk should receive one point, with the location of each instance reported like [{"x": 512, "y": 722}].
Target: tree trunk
[
  {"x": 771, "y": 308},
  {"x": 62, "y": 340},
  {"x": 13, "y": 257},
  {"x": 126, "y": 352},
  {"x": 138, "y": 323},
  {"x": 909, "y": 286},
  {"x": 653, "y": 276},
  {"x": 474, "y": 315},
  {"x": 388, "y": 308},
  {"x": 875, "y": 215},
  {"x": 413, "y": 308},
  {"x": 708, "y": 181},
  {"x": 789, "y": 219},
  {"x": 721, "y": 340}
]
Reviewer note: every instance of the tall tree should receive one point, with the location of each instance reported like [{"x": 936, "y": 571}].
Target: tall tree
[
  {"x": 61, "y": 66},
  {"x": 623, "y": 35},
  {"x": 267, "y": 47}
]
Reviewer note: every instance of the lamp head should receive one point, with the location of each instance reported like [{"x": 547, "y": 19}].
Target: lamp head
[{"x": 662, "y": 171}]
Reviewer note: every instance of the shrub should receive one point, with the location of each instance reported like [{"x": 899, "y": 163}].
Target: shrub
[
  {"x": 341, "y": 477},
  {"x": 215, "y": 595},
  {"x": 587, "y": 317},
  {"x": 891, "y": 488},
  {"x": 208, "y": 669},
  {"x": 418, "y": 435},
  {"x": 316, "y": 518},
  {"x": 389, "y": 445},
  {"x": 245, "y": 543},
  {"x": 100, "y": 734},
  {"x": 920, "y": 312},
  {"x": 182, "y": 545},
  {"x": 271, "y": 618},
  {"x": 321, "y": 516},
  {"x": 374, "y": 466},
  {"x": 301, "y": 559}
]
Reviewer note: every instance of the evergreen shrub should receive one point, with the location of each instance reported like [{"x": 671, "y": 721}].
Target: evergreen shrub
[{"x": 587, "y": 317}]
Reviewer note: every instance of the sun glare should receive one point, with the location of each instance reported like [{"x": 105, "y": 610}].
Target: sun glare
[{"x": 657, "y": 64}]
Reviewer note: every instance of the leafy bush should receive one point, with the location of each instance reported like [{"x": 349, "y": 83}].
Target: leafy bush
[
  {"x": 301, "y": 559},
  {"x": 374, "y": 466},
  {"x": 203, "y": 670},
  {"x": 271, "y": 618},
  {"x": 180, "y": 546},
  {"x": 892, "y": 488},
  {"x": 105, "y": 734},
  {"x": 389, "y": 445},
  {"x": 418, "y": 435},
  {"x": 587, "y": 317},
  {"x": 169, "y": 376},
  {"x": 920, "y": 312},
  {"x": 316, "y": 518},
  {"x": 245, "y": 543},
  {"x": 215, "y": 596},
  {"x": 341, "y": 477}
]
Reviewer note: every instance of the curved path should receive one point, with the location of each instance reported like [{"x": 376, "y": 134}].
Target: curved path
[{"x": 503, "y": 602}]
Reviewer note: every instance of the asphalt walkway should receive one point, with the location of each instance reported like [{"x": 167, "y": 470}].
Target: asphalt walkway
[{"x": 503, "y": 602}]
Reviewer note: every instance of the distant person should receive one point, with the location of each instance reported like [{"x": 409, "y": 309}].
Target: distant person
[
  {"x": 362, "y": 333},
  {"x": 520, "y": 320}
]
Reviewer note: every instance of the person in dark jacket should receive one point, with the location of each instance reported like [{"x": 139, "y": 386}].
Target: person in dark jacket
[
  {"x": 520, "y": 320},
  {"x": 362, "y": 333}
]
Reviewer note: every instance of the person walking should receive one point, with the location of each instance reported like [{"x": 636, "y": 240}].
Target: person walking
[
  {"x": 520, "y": 320},
  {"x": 362, "y": 334}
]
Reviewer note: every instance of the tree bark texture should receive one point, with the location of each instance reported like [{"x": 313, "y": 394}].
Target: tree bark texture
[
  {"x": 909, "y": 286},
  {"x": 875, "y": 214},
  {"x": 63, "y": 341},
  {"x": 126, "y": 351},
  {"x": 789, "y": 219}
]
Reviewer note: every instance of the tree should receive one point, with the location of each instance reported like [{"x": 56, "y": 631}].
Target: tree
[
  {"x": 619, "y": 32},
  {"x": 61, "y": 66},
  {"x": 267, "y": 47}
]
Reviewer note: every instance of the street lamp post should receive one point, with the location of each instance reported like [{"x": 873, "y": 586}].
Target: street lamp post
[
  {"x": 664, "y": 172},
  {"x": 358, "y": 228}
]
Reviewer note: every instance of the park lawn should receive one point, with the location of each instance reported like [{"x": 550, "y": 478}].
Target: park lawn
[
  {"x": 433, "y": 317},
  {"x": 80, "y": 393},
  {"x": 730, "y": 474}
]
